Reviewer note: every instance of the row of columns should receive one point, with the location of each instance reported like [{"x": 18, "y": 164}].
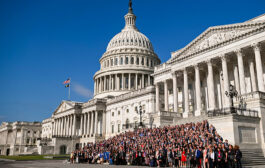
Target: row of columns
[
  {"x": 239, "y": 75},
  {"x": 65, "y": 126},
  {"x": 112, "y": 82},
  {"x": 89, "y": 124}
]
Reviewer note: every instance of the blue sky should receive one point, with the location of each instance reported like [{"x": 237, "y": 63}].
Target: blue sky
[{"x": 43, "y": 42}]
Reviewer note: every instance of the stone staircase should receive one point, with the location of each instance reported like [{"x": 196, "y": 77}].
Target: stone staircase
[
  {"x": 195, "y": 119},
  {"x": 252, "y": 157}
]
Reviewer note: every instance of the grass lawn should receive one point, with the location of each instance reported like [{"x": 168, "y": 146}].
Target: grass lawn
[{"x": 35, "y": 157}]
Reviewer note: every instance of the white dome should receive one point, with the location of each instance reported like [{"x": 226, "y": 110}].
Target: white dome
[{"x": 130, "y": 38}]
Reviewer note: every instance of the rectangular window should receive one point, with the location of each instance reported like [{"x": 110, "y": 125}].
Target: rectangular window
[
  {"x": 121, "y": 60},
  {"x": 112, "y": 128},
  {"x": 126, "y": 60},
  {"x": 119, "y": 128},
  {"x": 116, "y": 61}
]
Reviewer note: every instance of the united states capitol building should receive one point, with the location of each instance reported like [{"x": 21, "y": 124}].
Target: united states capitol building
[{"x": 193, "y": 85}]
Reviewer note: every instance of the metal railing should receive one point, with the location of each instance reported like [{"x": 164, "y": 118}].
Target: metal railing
[{"x": 233, "y": 110}]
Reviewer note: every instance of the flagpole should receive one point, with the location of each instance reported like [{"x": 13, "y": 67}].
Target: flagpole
[{"x": 69, "y": 98}]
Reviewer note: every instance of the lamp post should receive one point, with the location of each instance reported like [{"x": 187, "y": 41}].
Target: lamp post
[
  {"x": 231, "y": 94},
  {"x": 140, "y": 112}
]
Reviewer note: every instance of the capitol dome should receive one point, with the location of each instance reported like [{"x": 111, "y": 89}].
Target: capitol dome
[
  {"x": 130, "y": 37},
  {"x": 128, "y": 62}
]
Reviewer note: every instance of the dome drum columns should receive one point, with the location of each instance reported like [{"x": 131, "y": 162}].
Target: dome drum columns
[{"x": 121, "y": 82}]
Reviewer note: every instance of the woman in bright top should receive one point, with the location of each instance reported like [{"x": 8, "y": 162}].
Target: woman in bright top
[
  {"x": 219, "y": 157},
  {"x": 183, "y": 158},
  {"x": 211, "y": 157}
]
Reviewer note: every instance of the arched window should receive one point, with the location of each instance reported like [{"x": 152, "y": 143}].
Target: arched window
[
  {"x": 116, "y": 61},
  {"x": 137, "y": 61},
  {"x": 142, "y": 60},
  {"x": 111, "y": 62},
  {"x": 151, "y": 63},
  {"x": 147, "y": 62},
  {"x": 127, "y": 123},
  {"x": 132, "y": 60},
  {"x": 126, "y": 60},
  {"x": 121, "y": 60}
]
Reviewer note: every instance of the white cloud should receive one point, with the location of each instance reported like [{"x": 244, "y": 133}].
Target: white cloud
[{"x": 82, "y": 91}]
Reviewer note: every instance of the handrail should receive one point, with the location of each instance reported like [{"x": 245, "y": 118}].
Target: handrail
[{"x": 233, "y": 110}]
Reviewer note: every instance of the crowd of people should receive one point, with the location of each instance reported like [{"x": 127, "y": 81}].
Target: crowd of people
[{"x": 188, "y": 145}]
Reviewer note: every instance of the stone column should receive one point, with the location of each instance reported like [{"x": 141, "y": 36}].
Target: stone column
[
  {"x": 103, "y": 123},
  {"x": 226, "y": 80},
  {"x": 116, "y": 82},
  {"x": 88, "y": 124},
  {"x": 236, "y": 79},
  {"x": 96, "y": 123},
  {"x": 211, "y": 93},
  {"x": 81, "y": 124},
  {"x": 95, "y": 87},
  {"x": 92, "y": 123},
  {"x": 186, "y": 94},
  {"x": 123, "y": 82},
  {"x": 74, "y": 125},
  {"x": 57, "y": 126},
  {"x": 198, "y": 90},
  {"x": 259, "y": 67},
  {"x": 129, "y": 81},
  {"x": 67, "y": 125},
  {"x": 157, "y": 98},
  {"x": 71, "y": 125},
  {"x": 252, "y": 75},
  {"x": 136, "y": 81},
  {"x": 98, "y": 88},
  {"x": 85, "y": 124},
  {"x": 241, "y": 71},
  {"x": 142, "y": 80},
  {"x": 54, "y": 127},
  {"x": 166, "y": 95},
  {"x": 112, "y": 83},
  {"x": 175, "y": 92},
  {"x": 149, "y": 80},
  {"x": 59, "y": 129},
  {"x": 105, "y": 83},
  {"x": 64, "y": 132}
]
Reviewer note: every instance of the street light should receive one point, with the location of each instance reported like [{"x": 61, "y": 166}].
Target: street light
[
  {"x": 140, "y": 113},
  {"x": 231, "y": 94}
]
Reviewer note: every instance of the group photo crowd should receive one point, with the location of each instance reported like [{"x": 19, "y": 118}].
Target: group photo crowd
[{"x": 189, "y": 145}]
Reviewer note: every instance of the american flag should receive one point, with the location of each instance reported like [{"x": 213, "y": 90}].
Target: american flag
[{"x": 67, "y": 81}]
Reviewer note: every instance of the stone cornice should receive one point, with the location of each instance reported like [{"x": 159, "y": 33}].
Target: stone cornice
[
  {"x": 133, "y": 94},
  {"x": 140, "y": 70},
  {"x": 93, "y": 102},
  {"x": 130, "y": 51}
]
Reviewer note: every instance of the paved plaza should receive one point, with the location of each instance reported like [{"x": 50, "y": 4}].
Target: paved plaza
[{"x": 63, "y": 164}]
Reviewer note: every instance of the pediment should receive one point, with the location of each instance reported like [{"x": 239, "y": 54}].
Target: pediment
[
  {"x": 214, "y": 36},
  {"x": 64, "y": 106}
]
